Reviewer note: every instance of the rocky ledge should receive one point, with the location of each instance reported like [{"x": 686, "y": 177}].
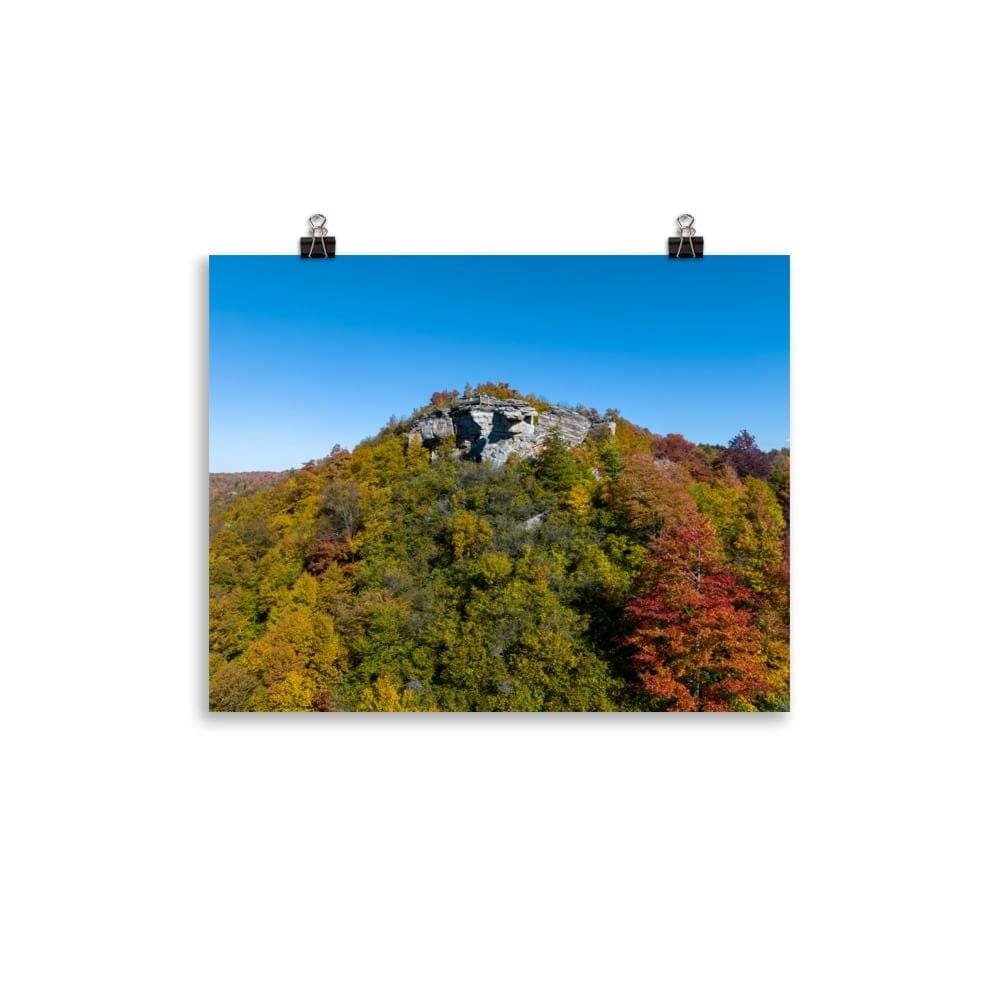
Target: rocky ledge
[{"x": 491, "y": 429}]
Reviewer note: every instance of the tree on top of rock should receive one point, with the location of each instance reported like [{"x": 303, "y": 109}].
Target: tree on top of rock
[{"x": 444, "y": 397}]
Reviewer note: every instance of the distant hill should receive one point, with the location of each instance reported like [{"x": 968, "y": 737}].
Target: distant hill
[
  {"x": 224, "y": 486},
  {"x": 493, "y": 552}
]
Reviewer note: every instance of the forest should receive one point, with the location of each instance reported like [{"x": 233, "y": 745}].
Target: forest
[{"x": 633, "y": 572}]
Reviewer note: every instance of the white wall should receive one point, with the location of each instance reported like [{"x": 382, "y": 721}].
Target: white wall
[{"x": 847, "y": 850}]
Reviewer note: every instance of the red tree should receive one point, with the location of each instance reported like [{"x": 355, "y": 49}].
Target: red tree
[
  {"x": 323, "y": 552},
  {"x": 678, "y": 449},
  {"x": 745, "y": 457},
  {"x": 696, "y": 645}
]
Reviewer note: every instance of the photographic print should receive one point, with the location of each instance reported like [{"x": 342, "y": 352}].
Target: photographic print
[{"x": 499, "y": 484}]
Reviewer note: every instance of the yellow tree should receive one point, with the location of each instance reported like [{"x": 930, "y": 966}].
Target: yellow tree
[{"x": 299, "y": 653}]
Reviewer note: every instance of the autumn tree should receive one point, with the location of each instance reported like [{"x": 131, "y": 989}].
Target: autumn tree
[
  {"x": 676, "y": 448},
  {"x": 631, "y": 437},
  {"x": 499, "y": 390},
  {"x": 298, "y": 655},
  {"x": 324, "y": 552},
  {"x": 745, "y": 457},
  {"x": 384, "y": 696},
  {"x": 749, "y": 524},
  {"x": 469, "y": 534},
  {"x": 444, "y": 397},
  {"x": 648, "y": 494},
  {"x": 696, "y": 647},
  {"x": 578, "y": 500},
  {"x": 230, "y": 685}
]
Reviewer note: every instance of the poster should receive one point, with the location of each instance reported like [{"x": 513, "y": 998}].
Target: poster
[{"x": 499, "y": 484}]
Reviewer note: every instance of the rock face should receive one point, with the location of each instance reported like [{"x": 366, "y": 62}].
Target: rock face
[{"x": 491, "y": 430}]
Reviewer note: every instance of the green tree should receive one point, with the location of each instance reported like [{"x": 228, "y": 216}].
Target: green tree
[{"x": 555, "y": 468}]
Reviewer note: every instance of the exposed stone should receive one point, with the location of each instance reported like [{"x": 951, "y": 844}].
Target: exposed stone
[
  {"x": 491, "y": 429},
  {"x": 435, "y": 426},
  {"x": 573, "y": 427},
  {"x": 532, "y": 522}
]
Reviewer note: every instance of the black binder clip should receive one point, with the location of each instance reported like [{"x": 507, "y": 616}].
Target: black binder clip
[
  {"x": 317, "y": 243},
  {"x": 695, "y": 244}
]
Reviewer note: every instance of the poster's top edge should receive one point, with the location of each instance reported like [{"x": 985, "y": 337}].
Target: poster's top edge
[{"x": 660, "y": 255}]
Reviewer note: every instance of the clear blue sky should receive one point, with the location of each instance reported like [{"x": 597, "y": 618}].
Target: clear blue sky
[{"x": 305, "y": 354}]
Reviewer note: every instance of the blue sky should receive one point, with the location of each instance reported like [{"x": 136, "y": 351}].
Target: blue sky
[{"x": 305, "y": 354}]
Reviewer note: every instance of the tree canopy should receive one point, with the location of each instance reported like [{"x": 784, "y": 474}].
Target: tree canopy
[{"x": 632, "y": 573}]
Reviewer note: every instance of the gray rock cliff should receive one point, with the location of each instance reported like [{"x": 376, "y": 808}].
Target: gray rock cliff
[{"x": 491, "y": 429}]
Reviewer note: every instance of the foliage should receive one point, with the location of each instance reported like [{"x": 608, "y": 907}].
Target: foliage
[
  {"x": 745, "y": 457},
  {"x": 696, "y": 645},
  {"x": 748, "y": 521},
  {"x": 503, "y": 390},
  {"x": 224, "y": 487},
  {"x": 676, "y": 448},
  {"x": 628, "y": 573},
  {"x": 649, "y": 494}
]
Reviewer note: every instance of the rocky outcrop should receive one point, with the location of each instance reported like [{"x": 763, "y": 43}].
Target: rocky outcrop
[
  {"x": 436, "y": 426},
  {"x": 491, "y": 429}
]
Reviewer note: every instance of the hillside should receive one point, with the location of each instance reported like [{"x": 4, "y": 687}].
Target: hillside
[
  {"x": 495, "y": 552},
  {"x": 224, "y": 487}
]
